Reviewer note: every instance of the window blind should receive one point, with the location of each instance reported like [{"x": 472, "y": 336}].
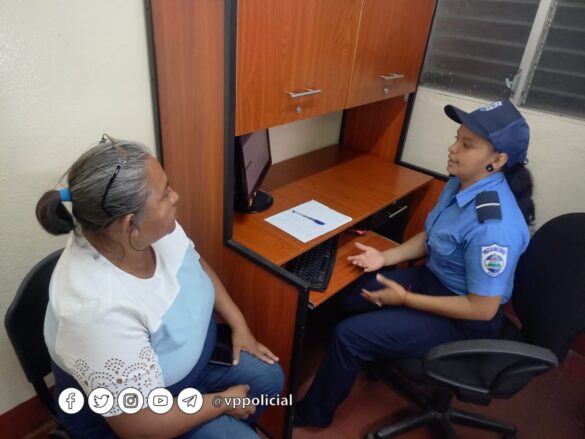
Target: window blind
[
  {"x": 475, "y": 45},
  {"x": 558, "y": 80}
]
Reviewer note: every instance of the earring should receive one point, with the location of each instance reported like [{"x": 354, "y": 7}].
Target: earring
[{"x": 489, "y": 168}]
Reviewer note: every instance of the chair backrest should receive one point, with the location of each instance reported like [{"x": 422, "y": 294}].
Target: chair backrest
[
  {"x": 24, "y": 322},
  {"x": 549, "y": 285}
]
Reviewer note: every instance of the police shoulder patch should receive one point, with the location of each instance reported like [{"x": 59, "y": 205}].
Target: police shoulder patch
[
  {"x": 493, "y": 259},
  {"x": 487, "y": 206}
]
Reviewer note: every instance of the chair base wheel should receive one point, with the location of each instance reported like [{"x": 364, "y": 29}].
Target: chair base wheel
[{"x": 444, "y": 421}]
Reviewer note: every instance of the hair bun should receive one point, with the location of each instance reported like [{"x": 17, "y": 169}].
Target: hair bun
[{"x": 53, "y": 215}]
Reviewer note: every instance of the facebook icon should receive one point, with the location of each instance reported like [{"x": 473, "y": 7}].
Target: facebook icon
[{"x": 71, "y": 400}]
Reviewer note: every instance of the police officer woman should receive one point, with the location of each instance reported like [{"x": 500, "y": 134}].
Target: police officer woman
[{"x": 472, "y": 240}]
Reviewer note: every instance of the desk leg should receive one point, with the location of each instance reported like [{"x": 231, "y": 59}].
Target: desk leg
[
  {"x": 276, "y": 312},
  {"x": 297, "y": 355}
]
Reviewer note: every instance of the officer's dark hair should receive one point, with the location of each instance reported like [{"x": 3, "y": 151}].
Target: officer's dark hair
[
  {"x": 520, "y": 182},
  {"x": 88, "y": 180}
]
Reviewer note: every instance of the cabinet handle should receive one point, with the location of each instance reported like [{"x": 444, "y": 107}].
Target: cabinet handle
[
  {"x": 308, "y": 92},
  {"x": 391, "y": 77},
  {"x": 393, "y": 214}
]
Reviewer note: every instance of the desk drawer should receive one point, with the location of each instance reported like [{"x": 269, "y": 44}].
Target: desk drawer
[{"x": 389, "y": 222}]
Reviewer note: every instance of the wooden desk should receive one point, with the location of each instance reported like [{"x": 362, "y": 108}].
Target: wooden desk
[
  {"x": 346, "y": 180},
  {"x": 349, "y": 181},
  {"x": 344, "y": 272}
]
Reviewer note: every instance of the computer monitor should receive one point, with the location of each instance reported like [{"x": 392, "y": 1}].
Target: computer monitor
[{"x": 252, "y": 160}]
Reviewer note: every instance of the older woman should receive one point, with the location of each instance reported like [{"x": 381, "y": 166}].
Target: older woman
[
  {"x": 472, "y": 240},
  {"x": 132, "y": 306}
]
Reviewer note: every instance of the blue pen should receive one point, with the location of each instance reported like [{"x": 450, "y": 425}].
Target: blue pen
[{"x": 316, "y": 221}]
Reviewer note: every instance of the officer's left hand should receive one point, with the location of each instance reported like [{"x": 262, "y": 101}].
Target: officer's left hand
[
  {"x": 392, "y": 294},
  {"x": 243, "y": 340}
]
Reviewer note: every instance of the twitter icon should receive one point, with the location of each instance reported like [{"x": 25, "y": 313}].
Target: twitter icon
[{"x": 100, "y": 400}]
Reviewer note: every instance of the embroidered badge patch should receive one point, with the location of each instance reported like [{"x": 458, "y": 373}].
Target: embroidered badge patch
[
  {"x": 491, "y": 106},
  {"x": 493, "y": 259}
]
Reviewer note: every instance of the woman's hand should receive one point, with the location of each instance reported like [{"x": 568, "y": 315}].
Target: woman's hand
[
  {"x": 237, "y": 393},
  {"x": 392, "y": 294},
  {"x": 370, "y": 260},
  {"x": 243, "y": 340}
]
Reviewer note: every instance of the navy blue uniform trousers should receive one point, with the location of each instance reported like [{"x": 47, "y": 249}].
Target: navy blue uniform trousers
[{"x": 375, "y": 333}]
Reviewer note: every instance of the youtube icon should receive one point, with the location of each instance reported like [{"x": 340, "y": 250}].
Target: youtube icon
[{"x": 160, "y": 400}]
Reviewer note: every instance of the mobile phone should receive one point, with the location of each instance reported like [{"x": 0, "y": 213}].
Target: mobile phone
[{"x": 222, "y": 351}]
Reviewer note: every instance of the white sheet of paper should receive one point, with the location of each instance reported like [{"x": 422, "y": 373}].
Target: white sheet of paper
[{"x": 305, "y": 229}]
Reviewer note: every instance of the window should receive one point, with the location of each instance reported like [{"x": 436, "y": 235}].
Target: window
[
  {"x": 558, "y": 79},
  {"x": 528, "y": 50}
]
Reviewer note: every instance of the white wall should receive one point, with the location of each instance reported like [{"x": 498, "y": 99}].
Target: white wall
[
  {"x": 556, "y": 153},
  {"x": 297, "y": 138},
  {"x": 70, "y": 70}
]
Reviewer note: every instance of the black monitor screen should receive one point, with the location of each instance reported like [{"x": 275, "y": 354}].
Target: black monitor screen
[
  {"x": 252, "y": 162},
  {"x": 256, "y": 152}
]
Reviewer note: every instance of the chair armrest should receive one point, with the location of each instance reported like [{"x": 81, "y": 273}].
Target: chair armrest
[{"x": 532, "y": 359}]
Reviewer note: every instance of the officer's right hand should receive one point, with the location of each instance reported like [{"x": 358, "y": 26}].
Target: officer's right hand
[
  {"x": 370, "y": 260},
  {"x": 237, "y": 393}
]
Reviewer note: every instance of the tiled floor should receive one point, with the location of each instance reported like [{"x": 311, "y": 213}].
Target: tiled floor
[{"x": 551, "y": 407}]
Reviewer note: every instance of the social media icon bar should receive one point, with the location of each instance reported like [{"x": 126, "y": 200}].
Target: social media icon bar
[
  {"x": 71, "y": 400},
  {"x": 130, "y": 400},
  {"x": 160, "y": 400},
  {"x": 190, "y": 400},
  {"x": 100, "y": 400}
]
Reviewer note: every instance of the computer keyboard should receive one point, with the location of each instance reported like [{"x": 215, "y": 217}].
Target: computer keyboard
[{"x": 316, "y": 265}]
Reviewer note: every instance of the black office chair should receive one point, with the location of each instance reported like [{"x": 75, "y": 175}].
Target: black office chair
[
  {"x": 549, "y": 301},
  {"x": 24, "y": 323}
]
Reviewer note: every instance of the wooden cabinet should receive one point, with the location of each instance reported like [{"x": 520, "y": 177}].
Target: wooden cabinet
[
  {"x": 287, "y": 47},
  {"x": 299, "y": 59},
  {"x": 391, "y": 42}
]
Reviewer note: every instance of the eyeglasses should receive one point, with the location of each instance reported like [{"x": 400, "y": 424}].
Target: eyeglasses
[{"x": 106, "y": 138}]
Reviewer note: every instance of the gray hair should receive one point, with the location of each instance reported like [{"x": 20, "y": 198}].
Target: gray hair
[
  {"x": 88, "y": 181},
  {"x": 90, "y": 175}
]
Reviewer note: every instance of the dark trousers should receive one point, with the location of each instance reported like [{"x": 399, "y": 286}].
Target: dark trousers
[{"x": 382, "y": 333}]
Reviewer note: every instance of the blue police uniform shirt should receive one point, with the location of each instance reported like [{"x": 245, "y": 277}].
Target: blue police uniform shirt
[{"x": 469, "y": 256}]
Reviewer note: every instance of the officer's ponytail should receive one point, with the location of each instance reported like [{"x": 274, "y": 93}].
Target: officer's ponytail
[{"x": 520, "y": 181}]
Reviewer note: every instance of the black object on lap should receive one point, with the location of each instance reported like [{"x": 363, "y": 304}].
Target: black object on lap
[{"x": 222, "y": 352}]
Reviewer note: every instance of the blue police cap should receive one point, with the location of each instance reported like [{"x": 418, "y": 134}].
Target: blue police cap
[{"x": 501, "y": 123}]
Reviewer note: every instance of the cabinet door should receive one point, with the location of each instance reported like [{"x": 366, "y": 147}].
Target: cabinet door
[
  {"x": 290, "y": 47},
  {"x": 391, "y": 41}
]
